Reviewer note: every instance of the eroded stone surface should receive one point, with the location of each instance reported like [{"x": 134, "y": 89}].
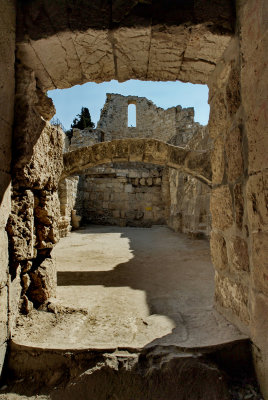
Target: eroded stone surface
[
  {"x": 147, "y": 41},
  {"x": 43, "y": 282},
  {"x": 154, "y": 152}
]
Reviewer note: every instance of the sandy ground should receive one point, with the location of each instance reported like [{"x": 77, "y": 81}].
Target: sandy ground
[{"x": 129, "y": 288}]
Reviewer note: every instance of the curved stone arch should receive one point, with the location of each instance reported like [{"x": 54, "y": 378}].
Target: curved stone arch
[{"x": 151, "y": 151}]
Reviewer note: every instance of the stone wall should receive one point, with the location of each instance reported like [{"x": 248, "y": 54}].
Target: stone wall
[
  {"x": 189, "y": 205},
  {"x": 189, "y": 197},
  {"x": 185, "y": 208},
  {"x": 128, "y": 194},
  {"x": 175, "y": 125},
  {"x": 86, "y": 137},
  {"x": 238, "y": 126},
  {"x": 68, "y": 198},
  {"x": 7, "y": 91},
  {"x": 32, "y": 226}
]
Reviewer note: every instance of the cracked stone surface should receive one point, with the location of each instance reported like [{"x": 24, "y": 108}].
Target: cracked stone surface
[
  {"x": 193, "y": 162},
  {"x": 138, "y": 40}
]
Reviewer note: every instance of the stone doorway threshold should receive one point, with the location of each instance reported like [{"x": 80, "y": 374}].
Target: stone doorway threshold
[{"x": 129, "y": 288}]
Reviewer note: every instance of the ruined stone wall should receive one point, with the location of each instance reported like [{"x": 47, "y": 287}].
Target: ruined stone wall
[
  {"x": 189, "y": 205},
  {"x": 238, "y": 126},
  {"x": 85, "y": 137},
  {"x": 127, "y": 194},
  {"x": 67, "y": 192},
  {"x": 189, "y": 197},
  {"x": 33, "y": 222},
  {"x": 175, "y": 125},
  {"x": 189, "y": 208},
  {"x": 7, "y": 91}
]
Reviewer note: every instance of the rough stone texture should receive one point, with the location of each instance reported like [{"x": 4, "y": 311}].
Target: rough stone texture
[
  {"x": 118, "y": 374},
  {"x": 195, "y": 162},
  {"x": 7, "y": 92},
  {"x": 221, "y": 208},
  {"x": 33, "y": 222},
  {"x": 86, "y": 137},
  {"x": 189, "y": 204},
  {"x": 229, "y": 238},
  {"x": 153, "y": 41},
  {"x": 43, "y": 282},
  {"x": 47, "y": 213},
  {"x": 175, "y": 125},
  {"x": 182, "y": 201},
  {"x": 218, "y": 251},
  {"x": 68, "y": 197},
  {"x": 129, "y": 195},
  {"x": 232, "y": 297},
  {"x": 64, "y": 46},
  {"x": 238, "y": 124},
  {"x": 189, "y": 197},
  {"x": 20, "y": 227},
  {"x": 43, "y": 169}
]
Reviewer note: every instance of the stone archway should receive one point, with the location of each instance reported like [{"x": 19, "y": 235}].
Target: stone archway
[
  {"x": 196, "y": 163},
  {"x": 133, "y": 42}
]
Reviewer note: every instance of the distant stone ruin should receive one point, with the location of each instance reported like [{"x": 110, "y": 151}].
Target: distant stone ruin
[{"x": 137, "y": 193}]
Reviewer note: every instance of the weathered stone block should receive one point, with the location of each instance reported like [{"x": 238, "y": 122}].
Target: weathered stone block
[
  {"x": 254, "y": 74},
  {"x": 43, "y": 282},
  {"x": 44, "y": 167},
  {"x": 218, "y": 251},
  {"x": 102, "y": 153},
  {"x": 233, "y": 99},
  {"x": 257, "y": 200},
  {"x": 47, "y": 214},
  {"x": 238, "y": 205},
  {"x": 120, "y": 150},
  {"x": 234, "y": 153},
  {"x": 221, "y": 208},
  {"x": 128, "y": 188},
  {"x": 233, "y": 297},
  {"x": 238, "y": 254},
  {"x": 217, "y": 123},
  {"x": 155, "y": 152},
  {"x": 176, "y": 156},
  {"x": 260, "y": 261},
  {"x": 253, "y": 17},
  {"x": 217, "y": 160},
  {"x": 20, "y": 227},
  {"x": 136, "y": 150}
]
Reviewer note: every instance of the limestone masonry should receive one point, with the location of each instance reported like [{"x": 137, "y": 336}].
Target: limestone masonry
[
  {"x": 137, "y": 193},
  {"x": 48, "y": 44}
]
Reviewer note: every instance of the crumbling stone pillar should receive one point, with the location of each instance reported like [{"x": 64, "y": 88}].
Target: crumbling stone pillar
[{"x": 37, "y": 164}]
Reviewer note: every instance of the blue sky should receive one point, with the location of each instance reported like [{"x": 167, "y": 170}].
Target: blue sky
[{"x": 68, "y": 102}]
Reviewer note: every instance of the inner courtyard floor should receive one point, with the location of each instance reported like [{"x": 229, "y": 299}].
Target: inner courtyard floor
[{"x": 129, "y": 288}]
